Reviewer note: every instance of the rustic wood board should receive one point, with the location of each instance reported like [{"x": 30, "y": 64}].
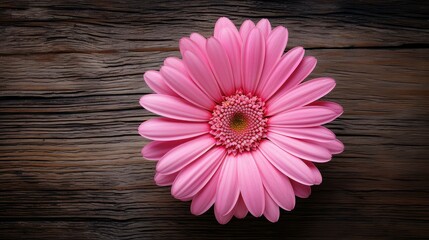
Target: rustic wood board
[{"x": 70, "y": 81}]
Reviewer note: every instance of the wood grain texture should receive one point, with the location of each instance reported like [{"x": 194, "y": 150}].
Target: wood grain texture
[
  {"x": 67, "y": 26},
  {"x": 70, "y": 81}
]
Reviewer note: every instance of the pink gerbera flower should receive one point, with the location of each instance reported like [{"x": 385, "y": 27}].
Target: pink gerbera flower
[{"x": 239, "y": 129}]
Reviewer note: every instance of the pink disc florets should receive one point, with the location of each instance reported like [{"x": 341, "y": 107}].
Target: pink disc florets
[{"x": 238, "y": 123}]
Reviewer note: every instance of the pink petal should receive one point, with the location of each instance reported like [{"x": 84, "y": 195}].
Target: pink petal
[
  {"x": 276, "y": 44},
  {"x": 302, "y": 95},
  {"x": 331, "y": 105},
  {"x": 182, "y": 155},
  {"x": 177, "y": 64},
  {"x": 319, "y": 133},
  {"x": 155, "y": 150},
  {"x": 196, "y": 175},
  {"x": 189, "y": 45},
  {"x": 306, "y": 150},
  {"x": 286, "y": 163},
  {"x": 156, "y": 82},
  {"x": 186, "y": 44},
  {"x": 276, "y": 183},
  {"x": 186, "y": 88},
  {"x": 309, "y": 116},
  {"x": 231, "y": 42},
  {"x": 221, "y": 66},
  {"x": 165, "y": 129},
  {"x": 264, "y": 26},
  {"x": 205, "y": 198},
  {"x": 316, "y": 173},
  {"x": 245, "y": 29},
  {"x": 174, "y": 107},
  {"x": 250, "y": 184},
  {"x": 253, "y": 57},
  {"x": 199, "y": 40},
  {"x": 288, "y": 63},
  {"x": 227, "y": 189},
  {"x": 334, "y": 146},
  {"x": 301, "y": 190},
  {"x": 163, "y": 180},
  {"x": 202, "y": 75},
  {"x": 240, "y": 209},
  {"x": 221, "y": 24},
  {"x": 304, "y": 69},
  {"x": 272, "y": 211},
  {"x": 224, "y": 219}
]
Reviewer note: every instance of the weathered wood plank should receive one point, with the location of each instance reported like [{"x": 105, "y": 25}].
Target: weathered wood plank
[
  {"x": 142, "y": 199},
  {"x": 363, "y": 73},
  {"x": 76, "y": 74},
  {"x": 40, "y": 27},
  {"x": 323, "y": 227}
]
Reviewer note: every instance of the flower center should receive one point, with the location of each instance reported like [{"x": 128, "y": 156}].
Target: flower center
[{"x": 238, "y": 123}]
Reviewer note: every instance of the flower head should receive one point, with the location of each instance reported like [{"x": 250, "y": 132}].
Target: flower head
[{"x": 239, "y": 127}]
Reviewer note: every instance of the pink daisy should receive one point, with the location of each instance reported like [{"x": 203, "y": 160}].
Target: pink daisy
[{"x": 239, "y": 128}]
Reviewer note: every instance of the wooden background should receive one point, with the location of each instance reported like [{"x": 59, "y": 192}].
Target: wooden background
[{"x": 70, "y": 81}]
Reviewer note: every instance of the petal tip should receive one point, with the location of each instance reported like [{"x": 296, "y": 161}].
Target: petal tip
[
  {"x": 142, "y": 100},
  {"x": 299, "y": 49},
  {"x": 141, "y": 129},
  {"x": 221, "y": 19}
]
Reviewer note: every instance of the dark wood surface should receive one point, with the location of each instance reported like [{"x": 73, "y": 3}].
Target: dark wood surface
[{"x": 70, "y": 80}]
